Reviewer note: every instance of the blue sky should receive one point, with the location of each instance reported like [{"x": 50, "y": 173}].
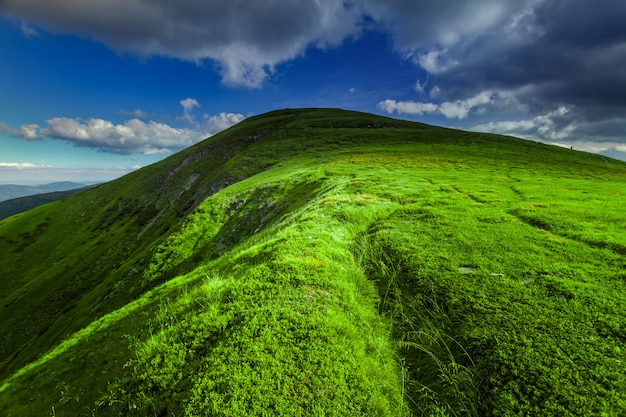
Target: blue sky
[{"x": 93, "y": 89}]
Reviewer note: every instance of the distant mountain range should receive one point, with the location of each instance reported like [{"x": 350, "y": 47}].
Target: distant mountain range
[
  {"x": 21, "y": 204},
  {"x": 10, "y": 191},
  {"x": 16, "y": 198}
]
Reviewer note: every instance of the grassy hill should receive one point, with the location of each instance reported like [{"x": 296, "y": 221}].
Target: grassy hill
[{"x": 324, "y": 262}]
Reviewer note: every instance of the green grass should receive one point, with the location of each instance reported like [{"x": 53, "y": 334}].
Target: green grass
[{"x": 322, "y": 262}]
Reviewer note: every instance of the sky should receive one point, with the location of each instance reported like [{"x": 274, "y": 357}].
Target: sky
[{"x": 93, "y": 89}]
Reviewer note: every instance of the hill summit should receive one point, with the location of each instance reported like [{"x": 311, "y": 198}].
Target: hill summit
[{"x": 324, "y": 262}]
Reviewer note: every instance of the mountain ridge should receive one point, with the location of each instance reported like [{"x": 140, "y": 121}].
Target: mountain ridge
[
  {"x": 22, "y": 204},
  {"x": 11, "y": 191},
  {"x": 288, "y": 200}
]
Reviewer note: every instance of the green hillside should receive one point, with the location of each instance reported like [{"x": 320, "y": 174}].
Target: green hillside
[{"x": 321, "y": 262}]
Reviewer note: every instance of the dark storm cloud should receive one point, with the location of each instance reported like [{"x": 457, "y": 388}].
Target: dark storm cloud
[
  {"x": 247, "y": 38},
  {"x": 562, "y": 63},
  {"x": 572, "y": 52},
  {"x": 428, "y": 23}
]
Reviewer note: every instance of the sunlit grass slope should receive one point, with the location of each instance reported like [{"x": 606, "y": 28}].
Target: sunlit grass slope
[{"x": 328, "y": 263}]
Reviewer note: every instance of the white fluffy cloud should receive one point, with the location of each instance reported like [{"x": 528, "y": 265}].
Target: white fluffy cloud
[
  {"x": 565, "y": 127},
  {"x": 22, "y": 165},
  {"x": 552, "y": 127},
  {"x": 26, "y": 131},
  {"x": 131, "y": 136},
  {"x": 459, "y": 109},
  {"x": 222, "y": 121},
  {"x": 407, "y": 107},
  {"x": 188, "y": 105}
]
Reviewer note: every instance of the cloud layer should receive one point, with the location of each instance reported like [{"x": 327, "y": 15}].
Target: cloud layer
[
  {"x": 246, "y": 38},
  {"x": 22, "y": 165},
  {"x": 26, "y": 172},
  {"x": 485, "y": 56},
  {"x": 572, "y": 52},
  {"x": 249, "y": 38},
  {"x": 559, "y": 64}
]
